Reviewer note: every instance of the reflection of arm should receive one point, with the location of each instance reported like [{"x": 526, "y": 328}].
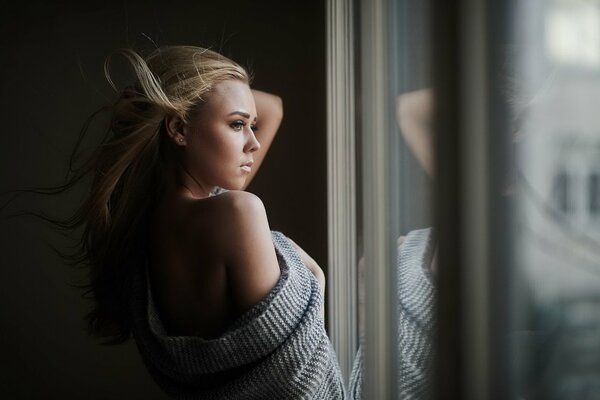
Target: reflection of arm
[
  {"x": 414, "y": 113},
  {"x": 269, "y": 110}
]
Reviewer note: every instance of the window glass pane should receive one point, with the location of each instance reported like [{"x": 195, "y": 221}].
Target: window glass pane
[
  {"x": 556, "y": 317},
  {"x": 408, "y": 103},
  {"x": 416, "y": 245}
]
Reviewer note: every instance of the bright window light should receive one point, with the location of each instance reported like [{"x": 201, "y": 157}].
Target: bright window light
[{"x": 572, "y": 33}]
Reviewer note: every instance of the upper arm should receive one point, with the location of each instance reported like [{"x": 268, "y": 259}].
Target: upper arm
[
  {"x": 311, "y": 264},
  {"x": 250, "y": 260},
  {"x": 269, "y": 109},
  {"x": 414, "y": 113}
]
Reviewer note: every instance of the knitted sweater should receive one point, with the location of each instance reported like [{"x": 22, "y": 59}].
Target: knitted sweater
[
  {"x": 279, "y": 349},
  {"x": 416, "y": 296}
]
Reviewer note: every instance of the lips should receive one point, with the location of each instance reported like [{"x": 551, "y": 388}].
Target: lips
[{"x": 247, "y": 167}]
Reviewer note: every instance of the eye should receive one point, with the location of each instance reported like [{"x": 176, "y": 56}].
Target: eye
[
  {"x": 238, "y": 125},
  {"x": 253, "y": 127}
]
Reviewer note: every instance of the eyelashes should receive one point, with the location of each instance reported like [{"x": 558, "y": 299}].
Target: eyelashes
[{"x": 239, "y": 125}]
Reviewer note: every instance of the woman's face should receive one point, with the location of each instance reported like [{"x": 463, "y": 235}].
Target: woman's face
[{"x": 220, "y": 139}]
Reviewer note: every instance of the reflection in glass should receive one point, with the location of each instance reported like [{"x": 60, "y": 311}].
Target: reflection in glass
[
  {"x": 416, "y": 247},
  {"x": 557, "y": 242},
  {"x": 409, "y": 114}
]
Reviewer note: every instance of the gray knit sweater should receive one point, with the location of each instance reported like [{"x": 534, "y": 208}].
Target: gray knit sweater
[
  {"x": 416, "y": 296},
  {"x": 279, "y": 349}
]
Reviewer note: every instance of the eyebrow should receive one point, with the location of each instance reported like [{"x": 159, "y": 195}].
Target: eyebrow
[{"x": 242, "y": 113}]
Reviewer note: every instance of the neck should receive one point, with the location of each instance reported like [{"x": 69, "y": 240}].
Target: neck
[{"x": 180, "y": 183}]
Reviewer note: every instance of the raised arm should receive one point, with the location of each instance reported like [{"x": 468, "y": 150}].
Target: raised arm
[
  {"x": 269, "y": 110},
  {"x": 414, "y": 113}
]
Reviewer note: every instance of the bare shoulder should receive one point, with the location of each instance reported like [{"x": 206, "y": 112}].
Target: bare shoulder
[
  {"x": 224, "y": 211},
  {"x": 238, "y": 200},
  {"x": 249, "y": 254},
  {"x": 236, "y": 213}
]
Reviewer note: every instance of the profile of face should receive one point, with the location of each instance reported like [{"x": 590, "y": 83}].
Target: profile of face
[{"x": 219, "y": 141}]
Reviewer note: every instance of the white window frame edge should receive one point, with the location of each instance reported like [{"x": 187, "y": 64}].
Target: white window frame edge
[{"x": 341, "y": 184}]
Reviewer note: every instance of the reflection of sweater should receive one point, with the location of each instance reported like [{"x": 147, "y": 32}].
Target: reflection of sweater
[
  {"x": 277, "y": 350},
  {"x": 416, "y": 297}
]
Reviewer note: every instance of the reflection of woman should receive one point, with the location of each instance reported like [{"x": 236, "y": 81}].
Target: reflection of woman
[
  {"x": 415, "y": 264},
  {"x": 416, "y": 260},
  {"x": 181, "y": 256}
]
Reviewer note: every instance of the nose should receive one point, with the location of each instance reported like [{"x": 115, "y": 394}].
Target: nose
[{"x": 252, "y": 144}]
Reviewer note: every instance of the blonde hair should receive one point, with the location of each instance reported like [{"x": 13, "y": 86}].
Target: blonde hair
[{"x": 127, "y": 170}]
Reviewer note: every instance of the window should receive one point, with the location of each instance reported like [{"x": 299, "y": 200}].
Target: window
[{"x": 515, "y": 285}]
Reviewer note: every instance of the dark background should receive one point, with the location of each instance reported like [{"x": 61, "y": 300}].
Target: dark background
[{"x": 51, "y": 80}]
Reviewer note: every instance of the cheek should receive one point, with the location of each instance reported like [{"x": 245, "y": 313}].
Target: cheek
[
  {"x": 226, "y": 145},
  {"x": 213, "y": 154}
]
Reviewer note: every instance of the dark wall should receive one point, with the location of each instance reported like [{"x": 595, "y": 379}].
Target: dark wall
[{"x": 51, "y": 80}]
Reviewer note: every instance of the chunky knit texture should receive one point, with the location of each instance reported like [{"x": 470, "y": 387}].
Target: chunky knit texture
[
  {"x": 416, "y": 298},
  {"x": 279, "y": 349}
]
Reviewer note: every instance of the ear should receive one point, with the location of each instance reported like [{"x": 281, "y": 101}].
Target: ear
[{"x": 176, "y": 129}]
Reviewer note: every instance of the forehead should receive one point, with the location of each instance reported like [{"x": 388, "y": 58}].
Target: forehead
[{"x": 232, "y": 95}]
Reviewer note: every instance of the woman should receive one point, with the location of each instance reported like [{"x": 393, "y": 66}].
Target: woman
[{"x": 181, "y": 256}]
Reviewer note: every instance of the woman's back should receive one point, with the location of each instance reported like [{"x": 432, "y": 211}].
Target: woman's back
[{"x": 211, "y": 260}]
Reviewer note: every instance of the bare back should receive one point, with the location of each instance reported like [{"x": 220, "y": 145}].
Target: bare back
[{"x": 211, "y": 260}]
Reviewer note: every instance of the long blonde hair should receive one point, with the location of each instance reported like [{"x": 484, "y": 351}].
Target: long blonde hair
[{"x": 127, "y": 171}]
